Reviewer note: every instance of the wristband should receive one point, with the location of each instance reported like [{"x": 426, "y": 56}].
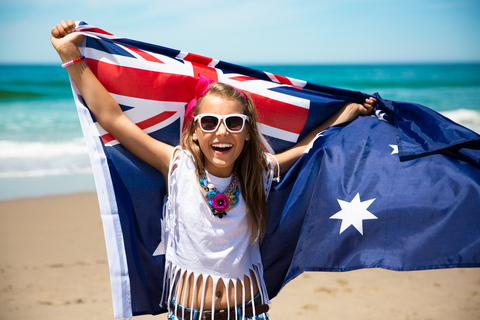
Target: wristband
[{"x": 69, "y": 63}]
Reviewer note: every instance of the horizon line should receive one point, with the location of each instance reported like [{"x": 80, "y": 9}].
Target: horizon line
[{"x": 284, "y": 63}]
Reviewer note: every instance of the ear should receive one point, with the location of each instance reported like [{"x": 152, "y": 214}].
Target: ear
[{"x": 194, "y": 135}]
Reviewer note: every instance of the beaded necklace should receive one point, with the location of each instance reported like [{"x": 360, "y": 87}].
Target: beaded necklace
[{"x": 218, "y": 202}]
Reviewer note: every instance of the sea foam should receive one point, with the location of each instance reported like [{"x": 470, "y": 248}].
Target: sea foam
[
  {"x": 34, "y": 159},
  {"x": 465, "y": 117}
]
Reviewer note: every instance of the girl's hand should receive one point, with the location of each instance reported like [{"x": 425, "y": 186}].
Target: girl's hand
[
  {"x": 353, "y": 110},
  {"x": 368, "y": 106},
  {"x": 65, "y": 40},
  {"x": 63, "y": 28}
]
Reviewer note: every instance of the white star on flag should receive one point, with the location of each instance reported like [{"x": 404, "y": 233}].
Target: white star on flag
[
  {"x": 353, "y": 213},
  {"x": 394, "y": 147}
]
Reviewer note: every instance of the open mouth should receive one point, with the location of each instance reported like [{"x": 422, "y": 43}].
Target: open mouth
[{"x": 222, "y": 147}]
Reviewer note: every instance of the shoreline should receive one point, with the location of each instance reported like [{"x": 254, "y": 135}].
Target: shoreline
[
  {"x": 54, "y": 265},
  {"x": 17, "y": 188}
]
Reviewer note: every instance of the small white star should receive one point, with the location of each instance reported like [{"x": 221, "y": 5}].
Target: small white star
[
  {"x": 380, "y": 115},
  {"x": 394, "y": 147},
  {"x": 160, "y": 249},
  {"x": 353, "y": 213}
]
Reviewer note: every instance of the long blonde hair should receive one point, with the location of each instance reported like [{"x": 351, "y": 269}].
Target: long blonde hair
[{"x": 251, "y": 164}]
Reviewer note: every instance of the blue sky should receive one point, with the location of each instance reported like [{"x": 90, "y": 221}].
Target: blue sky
[{"x": 250, "y": 32}]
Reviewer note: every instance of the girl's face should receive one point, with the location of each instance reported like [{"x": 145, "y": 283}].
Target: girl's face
[{"x": 221, "y": 148}]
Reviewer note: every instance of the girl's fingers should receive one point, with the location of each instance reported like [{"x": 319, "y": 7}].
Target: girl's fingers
[
  {"x": 367, "y": 106},
  {"x": 55, "y": 33},
  {"x": 64, "y": 25},
  {"x": 370, "y": 103},
  {"x": 71, "y": 26},
  {"x": 63, "y": 28}
]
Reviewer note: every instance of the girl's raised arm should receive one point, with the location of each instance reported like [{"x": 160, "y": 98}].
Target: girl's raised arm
[
  {"x": 104, "y": 108},
  {"x": 348, "y": 112}
]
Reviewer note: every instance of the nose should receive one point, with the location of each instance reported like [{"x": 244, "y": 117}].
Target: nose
[{"x": 222, "y": 129}]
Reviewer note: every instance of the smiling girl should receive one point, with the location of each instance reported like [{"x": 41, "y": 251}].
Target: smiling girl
[{"x": 218, "y": 182}]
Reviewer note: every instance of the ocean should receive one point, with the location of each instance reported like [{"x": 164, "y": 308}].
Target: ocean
[{"x": 42, "y": 151}]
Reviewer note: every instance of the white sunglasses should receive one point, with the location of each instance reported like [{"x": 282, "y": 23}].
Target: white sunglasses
[{"x": 209, "y": 122}]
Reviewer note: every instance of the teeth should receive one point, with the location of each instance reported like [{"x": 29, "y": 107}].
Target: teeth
[{"x": 222, "y": 145}]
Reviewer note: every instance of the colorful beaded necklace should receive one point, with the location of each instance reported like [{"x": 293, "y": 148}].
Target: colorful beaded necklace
[{"x": 218, "y": 202}]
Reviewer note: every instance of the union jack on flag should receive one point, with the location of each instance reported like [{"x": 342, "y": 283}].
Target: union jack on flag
[
  {"x": 162, "y": 82},
  {"x": 391, "y": 167}
]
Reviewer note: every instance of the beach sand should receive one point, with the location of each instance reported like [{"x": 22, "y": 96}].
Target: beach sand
[{"x": 53, "y": 265}]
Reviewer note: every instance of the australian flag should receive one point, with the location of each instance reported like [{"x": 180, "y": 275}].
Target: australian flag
[{"x": 398, "y": 189}]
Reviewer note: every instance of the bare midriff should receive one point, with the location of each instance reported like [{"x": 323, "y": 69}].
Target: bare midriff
[{"x": 221, "y": 295}]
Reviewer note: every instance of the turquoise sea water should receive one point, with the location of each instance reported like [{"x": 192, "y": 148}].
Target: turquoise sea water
[{"x": 42, "y": 149}]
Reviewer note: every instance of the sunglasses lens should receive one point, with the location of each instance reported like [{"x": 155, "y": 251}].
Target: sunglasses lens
[
  {"x": 234, "y": 123},
  {"x": 208, "y": 123}
]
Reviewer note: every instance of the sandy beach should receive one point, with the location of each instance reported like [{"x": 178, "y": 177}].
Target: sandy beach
[{"x": 53, "y": 265}]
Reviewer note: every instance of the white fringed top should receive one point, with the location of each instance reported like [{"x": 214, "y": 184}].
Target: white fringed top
[{"x": 198, "y": 243}]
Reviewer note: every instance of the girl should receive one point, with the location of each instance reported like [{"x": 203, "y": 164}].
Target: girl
[{"x": 218, "y": 182}]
